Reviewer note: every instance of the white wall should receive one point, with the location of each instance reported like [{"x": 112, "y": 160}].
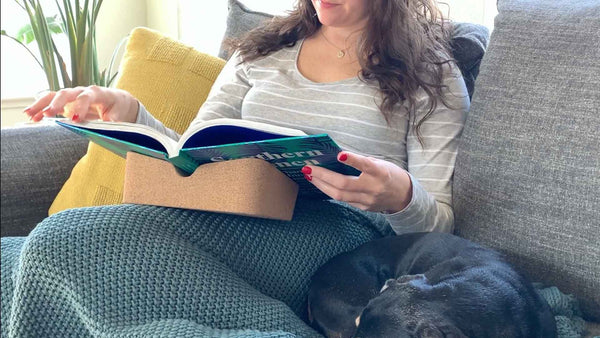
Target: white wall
[
  {"x": 115, "y": 20},
  {"x": 202, "y": 23},
  {"x": 163, "y": 15}
]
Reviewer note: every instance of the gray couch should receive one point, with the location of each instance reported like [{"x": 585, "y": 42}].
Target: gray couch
[{"x": 527, "y": 179}]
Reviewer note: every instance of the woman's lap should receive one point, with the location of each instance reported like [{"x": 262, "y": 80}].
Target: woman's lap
[{"x": 141, "y": 263}]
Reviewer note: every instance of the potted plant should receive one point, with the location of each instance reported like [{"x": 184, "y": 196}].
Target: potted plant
[{"x": 77, "y": 20}]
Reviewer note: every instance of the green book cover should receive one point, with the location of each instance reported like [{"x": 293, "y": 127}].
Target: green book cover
[
  {"x": 288, "y": 155},
  {"x": 209, "y": 144}
]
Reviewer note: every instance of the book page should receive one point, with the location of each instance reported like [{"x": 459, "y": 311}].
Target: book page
[
  {"x": 226, "y": 131},
  {"x": 131, "y": 133}
]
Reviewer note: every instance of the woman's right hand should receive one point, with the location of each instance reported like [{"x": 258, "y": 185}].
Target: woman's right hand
[{"x": 86, "y": 103}]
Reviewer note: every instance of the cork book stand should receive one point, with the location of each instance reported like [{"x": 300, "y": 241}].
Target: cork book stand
[{"x": 249, "y": 187}]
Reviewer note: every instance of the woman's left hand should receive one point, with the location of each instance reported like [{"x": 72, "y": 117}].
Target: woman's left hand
[{"x": 381, "y": 186}]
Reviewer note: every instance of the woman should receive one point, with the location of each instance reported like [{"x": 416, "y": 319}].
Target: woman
[{"x": 375, "y": 75}]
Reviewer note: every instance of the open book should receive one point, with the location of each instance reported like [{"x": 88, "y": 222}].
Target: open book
[{"x": 221, "y": 140}]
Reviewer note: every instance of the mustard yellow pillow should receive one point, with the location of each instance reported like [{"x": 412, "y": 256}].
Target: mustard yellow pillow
[{"x": 172, "y": 80}]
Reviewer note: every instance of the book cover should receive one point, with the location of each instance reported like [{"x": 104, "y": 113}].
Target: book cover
[{"x": 287, "y": 154}]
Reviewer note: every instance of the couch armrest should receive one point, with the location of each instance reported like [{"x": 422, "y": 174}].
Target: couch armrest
[{"x": 36, "y": 161}]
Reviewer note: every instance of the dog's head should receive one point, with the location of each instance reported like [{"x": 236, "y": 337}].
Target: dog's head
[{"x": 402, "y": 310}]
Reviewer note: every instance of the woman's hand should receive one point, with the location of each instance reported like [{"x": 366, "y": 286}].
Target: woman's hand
[
  {"x": 381, "y": 186},
  {"x": 86, "y": 103}
]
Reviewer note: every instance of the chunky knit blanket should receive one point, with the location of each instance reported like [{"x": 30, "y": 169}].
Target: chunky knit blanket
[{"x": 141, "y": 271}]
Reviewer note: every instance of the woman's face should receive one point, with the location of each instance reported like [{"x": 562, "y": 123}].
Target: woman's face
[{"x": 342, "y": 13}]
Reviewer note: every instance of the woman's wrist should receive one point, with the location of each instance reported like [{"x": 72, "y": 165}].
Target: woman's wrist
[
  {"x": 404, "y": 193},
  {"x": 134, "y": 107}
]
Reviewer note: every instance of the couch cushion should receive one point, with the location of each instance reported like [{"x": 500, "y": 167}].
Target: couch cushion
[
  {"x": 240, "y": 20},
  {"x": 27, "y": 191},
  {"x": 468, "y": 41},
  {"x": 172, "y": 81},
  {"x": 527, "y": 177}
]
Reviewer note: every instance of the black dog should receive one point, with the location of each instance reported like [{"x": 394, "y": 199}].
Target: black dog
[{"x": 425, "y": 285}]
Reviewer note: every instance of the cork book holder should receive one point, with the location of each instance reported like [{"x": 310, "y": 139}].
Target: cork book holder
[{"x": 249, "y": 187}]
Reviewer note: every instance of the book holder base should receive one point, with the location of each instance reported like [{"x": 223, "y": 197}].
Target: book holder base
[{"x": 249, "y": 187}]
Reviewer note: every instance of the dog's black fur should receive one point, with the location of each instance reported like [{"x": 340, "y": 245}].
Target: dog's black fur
[{"x": 436, "y": 285}]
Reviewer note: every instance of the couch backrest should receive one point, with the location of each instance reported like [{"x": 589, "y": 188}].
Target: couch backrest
[{"x": 527, "y": 177}]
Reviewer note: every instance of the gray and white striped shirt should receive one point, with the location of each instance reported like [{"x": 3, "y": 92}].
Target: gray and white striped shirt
[{"x": 272, "y": 90}]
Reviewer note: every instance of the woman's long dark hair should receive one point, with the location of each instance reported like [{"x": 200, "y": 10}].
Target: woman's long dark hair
[{"x": 404, "y": 48}]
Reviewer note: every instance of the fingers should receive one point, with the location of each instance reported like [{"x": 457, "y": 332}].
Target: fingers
[
  {"x": 352, "y": 197},
  {"x": 91, "y": 103},
  {"x": 333, "y": 179},
  {"x": 34, "y": 111},
  {"x": 362, "y": 163},
  {"x": 81, "y": 103},
  {"x": 52, "y": 104},
  {"x": 372, "y": 171},
  {"x": 381, "y": 186},
  {"x": 104, "y": 103}
]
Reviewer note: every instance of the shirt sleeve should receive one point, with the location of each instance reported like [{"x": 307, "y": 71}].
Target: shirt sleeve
[
  {"x": 224, "y": 99},
  {"x": 431, "y": 164}
]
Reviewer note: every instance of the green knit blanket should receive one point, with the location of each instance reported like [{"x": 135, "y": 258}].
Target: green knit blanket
[{"x": 141, "y": 271}]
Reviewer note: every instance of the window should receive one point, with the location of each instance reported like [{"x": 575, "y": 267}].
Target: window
[{"x": 21, "y": 74}]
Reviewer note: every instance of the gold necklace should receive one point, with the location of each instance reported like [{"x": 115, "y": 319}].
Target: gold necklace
[{"x": 341, "y": 51}]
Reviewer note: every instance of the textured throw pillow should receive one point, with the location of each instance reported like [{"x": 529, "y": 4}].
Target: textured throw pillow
[
  {"x": 468, "y": 42},
  {"x": 172, "y": 81},
  {"x": 527, "y": 177},
  {"x": 240, "y": 20}
]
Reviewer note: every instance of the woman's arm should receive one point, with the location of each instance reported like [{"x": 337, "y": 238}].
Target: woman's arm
[
  {"x": 431, "y": 164},
  {"x": 224, "y": 100},
  {"x": 418, "y": 199}
]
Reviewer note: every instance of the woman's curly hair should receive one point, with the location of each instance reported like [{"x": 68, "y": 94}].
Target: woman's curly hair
[{"x": 403, "y": 48}]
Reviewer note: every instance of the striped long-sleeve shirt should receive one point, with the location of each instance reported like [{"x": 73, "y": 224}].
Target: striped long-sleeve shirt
[{"x": 272, "y": 90}]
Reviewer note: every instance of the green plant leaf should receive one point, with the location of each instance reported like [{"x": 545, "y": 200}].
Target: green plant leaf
[
  {"x": 77, "y": 21},
  {"x": 63, "y": 68},
  {"x": 26, "y": 35},
  {"x": 43, "y": 37}
]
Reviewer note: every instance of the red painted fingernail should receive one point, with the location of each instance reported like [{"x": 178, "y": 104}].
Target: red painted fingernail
[
  {"x": 306, "y": 170},
  {"x": 343, "y": 157},
  {"x": 26, "y": 110},
  {"x": 308, "y": 177},
  {"x": 75, "y": 117}
]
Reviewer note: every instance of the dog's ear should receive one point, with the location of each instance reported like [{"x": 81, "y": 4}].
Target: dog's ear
[
  {"x": 418, "y": 281},
  {"x": 418, "y": 278}
]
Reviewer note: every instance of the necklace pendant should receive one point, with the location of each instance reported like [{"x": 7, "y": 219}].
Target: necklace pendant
[{"x": 341, "y": 54}]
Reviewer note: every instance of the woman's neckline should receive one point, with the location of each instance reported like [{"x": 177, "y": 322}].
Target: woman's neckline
[{"x": 299, "y": 44}]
